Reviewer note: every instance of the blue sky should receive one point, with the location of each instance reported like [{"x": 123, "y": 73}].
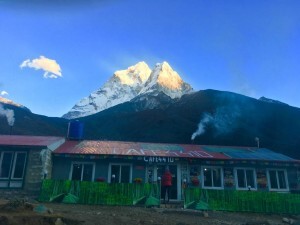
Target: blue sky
[{"x": 248, "y": 47}]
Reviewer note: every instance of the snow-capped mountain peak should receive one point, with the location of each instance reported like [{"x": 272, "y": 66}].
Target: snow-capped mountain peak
[
  {"x": 134, "y": 75},
  {"x": 9, "y": 102},
  {"x": 168, "y": 77},
  {"x": 127, "y": 84},
  {"x": 163, "y": 78}
]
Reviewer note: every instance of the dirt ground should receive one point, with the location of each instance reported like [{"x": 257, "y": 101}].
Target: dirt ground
[{"x": 64, "y": 214}]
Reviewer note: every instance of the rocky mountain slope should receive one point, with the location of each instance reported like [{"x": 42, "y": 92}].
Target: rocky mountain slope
[
  {"x": 19, "y": 120},
  {"x": 271, "y": 100},
  {"x": 125, "y": 85},
  {"x": 205, "y": 117},
  {"x": 10, "y": 102}
]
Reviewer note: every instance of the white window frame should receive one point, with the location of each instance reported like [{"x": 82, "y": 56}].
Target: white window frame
[
  {"x": 83, "y": 163},
  {"x": 10, "y": 181},
  {"x": 1, "y": 159},
  {"x": 236, "y": 178},
  {"x": 119, "y": 164},
  {"x": 285, "y": 178},
  {"x": 14, "y": 166},
  {"x": 221, "y": 173}
]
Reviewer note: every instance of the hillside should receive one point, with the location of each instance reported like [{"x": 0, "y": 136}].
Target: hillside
[
  {"x": 227, "y": 119},
  {"x": 28, "y": 123},
  {"x": 234, "y": 120}
]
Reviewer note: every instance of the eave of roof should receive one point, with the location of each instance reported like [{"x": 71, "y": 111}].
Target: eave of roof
[
  {"x": 167, "y": 150},
  {"x": 136, "y": 149},
  {"x": 26, "y": 141}
]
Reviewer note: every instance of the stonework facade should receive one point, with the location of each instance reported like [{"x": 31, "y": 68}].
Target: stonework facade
[
  {"x": 24, "y": 162},
  {"x": 37, "y": 166}
]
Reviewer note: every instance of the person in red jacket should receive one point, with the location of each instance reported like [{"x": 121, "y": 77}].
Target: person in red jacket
[{"x": 166, "y": 183}]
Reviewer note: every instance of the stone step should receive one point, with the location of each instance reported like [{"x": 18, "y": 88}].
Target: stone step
[{"x": 171, "y": 205}]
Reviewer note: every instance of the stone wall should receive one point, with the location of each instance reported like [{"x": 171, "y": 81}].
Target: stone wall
[
  {"x": 38, "y": 167},
  {"x": 15, "y": 193}
]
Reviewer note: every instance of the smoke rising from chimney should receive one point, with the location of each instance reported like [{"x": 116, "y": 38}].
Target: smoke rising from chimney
[
  {"x": 223, "y": 121},
  {"x": 9, "y": 114},
  {"x": 202, "y": 125}
]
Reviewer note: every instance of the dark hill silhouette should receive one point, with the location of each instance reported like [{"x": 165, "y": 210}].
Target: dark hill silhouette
[
  {"x": 237, "y": 120},
  {"x": 229, "y": 119},
  {"x": 28, "y": 123}
]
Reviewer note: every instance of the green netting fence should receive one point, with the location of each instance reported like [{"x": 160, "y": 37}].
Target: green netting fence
[
  {"x": 84, "y": 192},
  {"x": 242, "y": 201}
]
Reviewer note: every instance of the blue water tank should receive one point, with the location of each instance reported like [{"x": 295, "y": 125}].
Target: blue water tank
[{"x": 75, "y": 130}]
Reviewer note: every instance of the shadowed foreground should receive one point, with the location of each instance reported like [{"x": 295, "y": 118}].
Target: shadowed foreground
[{"x": 64, "y": 214}]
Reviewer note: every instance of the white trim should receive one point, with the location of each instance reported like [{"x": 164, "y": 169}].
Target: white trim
[
  {"x": 212, "y": 187},
  {"x": 236, "y": 178},
  {"x": 146, "y": 174},
  {"x": 155, "y": 178},
  {"x": 179, "y": 181},
  {"x": 285, "y": 178},
  {"x": 14, "y": 166},
  {"x": 56, "y": 144},
  {"x": 11, "y": 163},
  {"x": 76, "y": 162},
  {"x": 154, "y": 173},
  {"x": 119, "y": 164}
]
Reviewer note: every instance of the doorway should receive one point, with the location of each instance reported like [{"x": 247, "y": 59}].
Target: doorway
[{"x": 173, "y": 169}]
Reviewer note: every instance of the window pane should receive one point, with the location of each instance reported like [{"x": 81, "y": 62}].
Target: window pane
[
  {"x": 207, "y": 178},
  {"x": 20, "y": 165},
  {"x": 87, "y": 172},
  {"x": 273, "y": 179},
  {"x": 217, "y": 177},
  {"x": 76, "y": 174},
  {"x": 250, "y": 178},
  {"x": 16, "y": 184},
  {"x": 281, "y": 180},
  {"x": 125, "y": 177},
  {"x": 6, "y": 164},
  {"x": 241, "y": 178},
  {"x": 115, "y": 170},
  {"x": 3, "y": 184}
]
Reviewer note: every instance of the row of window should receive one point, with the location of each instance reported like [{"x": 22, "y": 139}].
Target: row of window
[
  {"x": 12, "y": 167},
  {"x": 242, "y": 178},
  {"x": 206, "y": 177},
  {"x": 121, "y": 173}
]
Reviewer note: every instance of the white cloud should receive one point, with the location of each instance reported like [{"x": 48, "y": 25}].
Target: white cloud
[
  {"x": 50, "y": 66},
  {"x": 3, "y": 93}
]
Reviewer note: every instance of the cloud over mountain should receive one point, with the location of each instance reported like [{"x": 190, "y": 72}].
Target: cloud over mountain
[
  {"x": 50, "y": 67},
  {"x": 3, "y": 93}
]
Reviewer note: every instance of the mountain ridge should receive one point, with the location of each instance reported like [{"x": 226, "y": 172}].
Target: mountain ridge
[
  {"x": 127, "y": 84},
  {"x": 228, "y": 119},
  {"x": 10, "y": 102}
]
